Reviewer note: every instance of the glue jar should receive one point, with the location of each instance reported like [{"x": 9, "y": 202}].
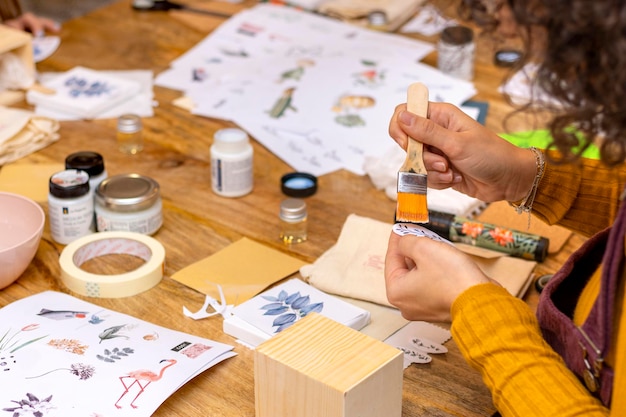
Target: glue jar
[
  {"x": 455, "y": 52},
  {"x": 231, "y": 163}
]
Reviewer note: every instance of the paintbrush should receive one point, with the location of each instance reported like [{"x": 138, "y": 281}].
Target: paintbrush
[{"x": 412, "y": 206}]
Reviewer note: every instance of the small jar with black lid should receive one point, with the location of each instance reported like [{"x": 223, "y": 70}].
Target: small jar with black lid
[
  {"x": 129, "y": 202},
  {"x": 70, "y": 206},
  {"x": 90, "y": 162}
]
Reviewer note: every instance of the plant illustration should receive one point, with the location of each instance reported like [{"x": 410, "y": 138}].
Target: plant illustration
[
  {"x": 370, "y": 76},
  {"x": 289, "y": 308},
  {"x": 501, "y": 236},
  {"x": 95, "y": 319},
  {"x": 415, "y": 356},
  {"x": 114, "y": 354},
  {"x": 81, "y": 370},
  {"x": 8, "y": 343},
  {"x": 112, "y": 332},
  {"x": 69, "y": 345},
  {"x": 31, "y": 406},
  {"x": 348, "y": 105}
]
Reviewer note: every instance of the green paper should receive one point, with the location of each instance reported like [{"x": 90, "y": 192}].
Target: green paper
[{"x": 541, "y": 139}]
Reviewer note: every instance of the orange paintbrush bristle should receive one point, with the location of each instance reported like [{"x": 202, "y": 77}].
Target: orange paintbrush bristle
[
  {"x": 412, "y": 203},
  {"x": 412, "y": 208}
]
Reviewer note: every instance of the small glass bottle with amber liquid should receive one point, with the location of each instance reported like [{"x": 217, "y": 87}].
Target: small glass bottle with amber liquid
[{"x": 293, "y": 220}]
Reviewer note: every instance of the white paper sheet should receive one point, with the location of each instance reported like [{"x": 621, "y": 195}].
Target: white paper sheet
[
  {"x": 315, "y": 91},
  {"x": 68, "y": 358}
]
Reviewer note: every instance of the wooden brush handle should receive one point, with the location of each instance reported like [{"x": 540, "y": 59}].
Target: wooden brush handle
[{"x": 416, "y": 103}]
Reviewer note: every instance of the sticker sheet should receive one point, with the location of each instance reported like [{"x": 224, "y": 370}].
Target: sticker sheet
[
  {"x": 61, "y": 356},
  {"x": 315, "y": 91}
]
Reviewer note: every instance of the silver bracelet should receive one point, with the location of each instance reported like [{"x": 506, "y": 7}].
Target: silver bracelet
[{"x": 526, "y": 205}]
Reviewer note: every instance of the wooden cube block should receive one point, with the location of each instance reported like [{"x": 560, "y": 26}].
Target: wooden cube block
[{"x": 321, "y": 368}]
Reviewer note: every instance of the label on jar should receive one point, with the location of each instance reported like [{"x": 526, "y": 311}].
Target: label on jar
[
  {"x": 146, "y": 221},
  {"x": 71, "y": 214},
  {"x": 232, "y": 178},
  {"x": 68, "y": 222}
]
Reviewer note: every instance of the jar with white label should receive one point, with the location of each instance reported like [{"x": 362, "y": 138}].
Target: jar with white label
[
  {"x": 231, "y": 163},
  {"x": 129, "y": 202},
  {"x": 70, "y": 206}
]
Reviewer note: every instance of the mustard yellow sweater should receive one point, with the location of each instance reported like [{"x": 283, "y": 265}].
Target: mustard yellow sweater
[{"x": 499, "y": 335}]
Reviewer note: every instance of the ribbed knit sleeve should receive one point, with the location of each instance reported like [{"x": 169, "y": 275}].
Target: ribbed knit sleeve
[
  {"x": 581, "y": 196},
  {"x": 498, "y": 335}
]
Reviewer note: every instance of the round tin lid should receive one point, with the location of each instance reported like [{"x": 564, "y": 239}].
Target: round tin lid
[
  {"x": 129, "y": 123},
  {"x": 457, "y": 35},
  {"x": 292, "y": 209},
  {"x": 507, "y": 57},
  {"x": 127, "y": 192}
]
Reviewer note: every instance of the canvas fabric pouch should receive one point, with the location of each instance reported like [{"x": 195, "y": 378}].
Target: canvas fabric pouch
[
  {"x": 357, "y": 11},
  {"x": 22, "y": 133},
  {"x": 354, "y": 266}
]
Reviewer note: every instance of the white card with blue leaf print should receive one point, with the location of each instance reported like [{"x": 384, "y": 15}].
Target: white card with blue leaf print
[
  {"x": 283, "y": 305},
  {"x": 84, "y": 92}
]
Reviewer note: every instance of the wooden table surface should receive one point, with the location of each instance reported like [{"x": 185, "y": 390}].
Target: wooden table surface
[{"x": 198, "y": 223}]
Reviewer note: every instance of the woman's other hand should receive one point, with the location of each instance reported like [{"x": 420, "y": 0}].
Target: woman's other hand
[{"x": 423, "y": 277}]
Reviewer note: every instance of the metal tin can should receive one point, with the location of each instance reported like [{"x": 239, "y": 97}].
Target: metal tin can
[{"x": 129, "y": 202}]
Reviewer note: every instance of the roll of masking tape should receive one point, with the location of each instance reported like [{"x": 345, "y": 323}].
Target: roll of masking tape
[{"x": 112, "y": 286}]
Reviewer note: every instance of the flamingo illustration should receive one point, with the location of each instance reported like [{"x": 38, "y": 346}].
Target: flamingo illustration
[{"x": 142, "y": 375}]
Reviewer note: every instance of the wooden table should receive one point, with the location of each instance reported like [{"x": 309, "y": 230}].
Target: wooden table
[{"x": 198, "y": 223}]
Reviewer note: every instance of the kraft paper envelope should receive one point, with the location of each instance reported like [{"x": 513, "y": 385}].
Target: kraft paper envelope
[
  {"x": 29, "y": 180},
  {"x": 242, "y": 269}
]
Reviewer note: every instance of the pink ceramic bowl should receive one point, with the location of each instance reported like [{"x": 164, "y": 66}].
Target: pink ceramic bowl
[{"x": 21, "y": 226}]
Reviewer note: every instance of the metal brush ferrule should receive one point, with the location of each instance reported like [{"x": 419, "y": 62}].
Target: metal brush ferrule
[{"x": 412, "y": 183}]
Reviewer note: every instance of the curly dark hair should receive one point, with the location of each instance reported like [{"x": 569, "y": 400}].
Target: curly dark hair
[{"x": 582, "y": 64}]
